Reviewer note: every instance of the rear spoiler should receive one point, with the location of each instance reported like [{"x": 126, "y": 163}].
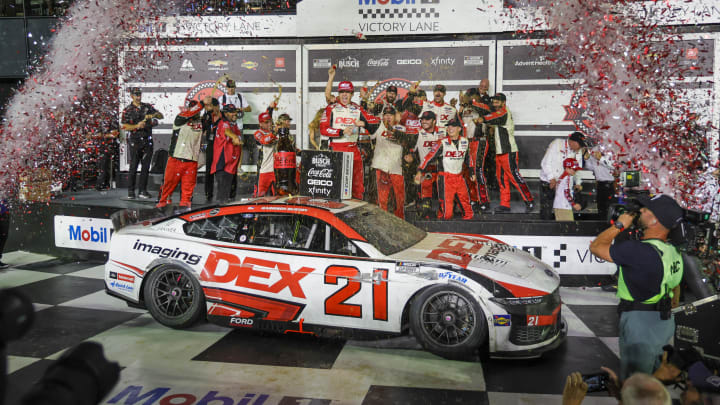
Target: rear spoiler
[{"x": 132, "y": 216}]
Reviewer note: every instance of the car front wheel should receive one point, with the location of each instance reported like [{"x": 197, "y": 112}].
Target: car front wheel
[
  {"x": 447, "y": 321},
  {"x": 174, "y": 297}
]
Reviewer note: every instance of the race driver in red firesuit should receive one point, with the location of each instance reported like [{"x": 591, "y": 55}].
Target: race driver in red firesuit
[
  {"x": 340, "y": 122},
  {"x": 453, "y": 157}
]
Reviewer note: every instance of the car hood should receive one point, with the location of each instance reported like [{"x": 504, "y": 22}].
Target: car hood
[{"x": 483, "y": 255}]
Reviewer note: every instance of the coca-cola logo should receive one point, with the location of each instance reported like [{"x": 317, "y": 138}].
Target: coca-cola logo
[{"x": 325, "y": 173}]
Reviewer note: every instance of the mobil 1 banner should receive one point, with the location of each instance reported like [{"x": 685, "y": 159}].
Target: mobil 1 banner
[
  {"x": 545, "y": 106},
  {"x": 457, "y": 65},
  {"x": 326, "y": 174},
  {"x": 175, "y": 75}
]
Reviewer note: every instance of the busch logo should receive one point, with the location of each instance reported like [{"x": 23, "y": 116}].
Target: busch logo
[
  {"x": 99, "y": 235},
  {"x": 349, "y": 62},
  {"x": 222, "y": 267},
  {"x": 321, "y": 160},
  {"x": 241, "y": 322},
  {"x": 325, "y": 173},
  {"x": 382, "y": 62}
]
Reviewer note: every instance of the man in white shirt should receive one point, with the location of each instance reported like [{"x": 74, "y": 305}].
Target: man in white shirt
[
  {"x": 551, "y": 168},
  {"x": 387, "y": 161},
  {"x": 241, "y": 104},
  {"x": 602, "y": 168}
]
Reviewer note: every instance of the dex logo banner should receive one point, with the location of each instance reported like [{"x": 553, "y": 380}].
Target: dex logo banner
[{"x": 83, "y": 233}]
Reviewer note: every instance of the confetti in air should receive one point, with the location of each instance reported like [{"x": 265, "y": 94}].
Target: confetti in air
[
  {"x": 645, "y": 104},
  {"x": 71, "y": 93}
]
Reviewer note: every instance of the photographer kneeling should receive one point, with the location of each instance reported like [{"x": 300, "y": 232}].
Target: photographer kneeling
[{"x": 650, "y": 270}]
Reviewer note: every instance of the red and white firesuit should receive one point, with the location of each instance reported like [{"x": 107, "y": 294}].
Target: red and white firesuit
[
  {"x": 444, "y": 113},
  {"x": 506, "y": 156},
  {"x": 335, "y": 119},
  {"x": 266, "y": 177},
  {"x": 479, "y": 147},
  {"x": 182, "y": 162},
  {"x": 453, "y": 157},
  {"x": 426, "y": 141},
  {"x": 387, "y": 160}
]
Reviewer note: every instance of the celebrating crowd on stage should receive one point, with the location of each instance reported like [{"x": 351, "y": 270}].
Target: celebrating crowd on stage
[{"x": 442, "y": 156}]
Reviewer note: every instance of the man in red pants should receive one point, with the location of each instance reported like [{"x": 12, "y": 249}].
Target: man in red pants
[
  {"x": 427, "y": 139},
  {"x": 340, "y": 123},
  {"x": 266, "y": 138},
  {"x": 506, "y": 154},
  {"x": 453, "y": 156},
  {"x": 183, "y": 157},
  {"x": 387, "y": 161}
]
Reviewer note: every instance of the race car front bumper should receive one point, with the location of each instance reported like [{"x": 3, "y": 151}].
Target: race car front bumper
[{"x": 537, "y": 350}]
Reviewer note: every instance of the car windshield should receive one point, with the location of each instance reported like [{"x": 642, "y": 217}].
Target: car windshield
[{"x": 388, "y": 233}]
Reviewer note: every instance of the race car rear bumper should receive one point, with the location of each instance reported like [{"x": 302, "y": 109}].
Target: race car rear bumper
[{"x": 536, "y": 351}]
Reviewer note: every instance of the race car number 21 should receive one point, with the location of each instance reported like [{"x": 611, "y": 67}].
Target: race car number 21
[{"x": 336, "y": 304}]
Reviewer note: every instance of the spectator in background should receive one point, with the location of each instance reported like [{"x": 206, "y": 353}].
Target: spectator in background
[
  {"x": 138, "y": 118},
  {"x": 242, "y": 106},
  {"x": 4, "y": 229},
  {"x": 551, "y": 167},
  {"x": 640, "y": 388},
  {"x": 210, "y": 121},
  {"x": 602, "y": 168},
  {"x": 107, "y": 150},
  {"x": 444, "y": 112},
  {"x": 506, "y": 154},
  {"x": 566, "y": 200},
  {"x": 228, "y": 150},
  {"x": 266, "y": 138}
]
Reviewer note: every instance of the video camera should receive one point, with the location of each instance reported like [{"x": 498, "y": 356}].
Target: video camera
[{"x": 81, "y": 376}]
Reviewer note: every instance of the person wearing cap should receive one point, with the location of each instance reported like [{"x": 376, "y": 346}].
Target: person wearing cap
[
  {"x": 267, "y": 141},
  {"x": 138, "y": 118},
  {"x": 551, "y": 167},
  {"x": 427, "y": 139},
  {"x": 210, "y": 121},
  {"x": 566, "y": 200},
  {"x": 243, "y": 106},
  {"x": 603, "y": 169},
  {"x": 444, "y": 112},
  {"x": 387, "y": 162},
  {"x": 183, "y": 155},
  {"x": 650, "y": 271},
  {"x": 472, "y": 106},
  {"x": 506, "y": 154},
  {"x": 340, "y": 123},
  {"x": 376, "y": 108},
  {"x": 228, "y": 151},
  {"x": 453, "y": 158}
]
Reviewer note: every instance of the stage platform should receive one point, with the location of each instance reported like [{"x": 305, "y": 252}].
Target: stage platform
[{"x": 563, "y": 245}]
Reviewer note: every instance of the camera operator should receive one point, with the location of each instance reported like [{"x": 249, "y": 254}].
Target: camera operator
[
  {"x": 641, "y": 388},
  {"x": 650, "y": 271}
]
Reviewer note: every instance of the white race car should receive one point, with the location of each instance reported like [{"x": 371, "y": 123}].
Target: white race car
[{"x": 304, "y": 265}]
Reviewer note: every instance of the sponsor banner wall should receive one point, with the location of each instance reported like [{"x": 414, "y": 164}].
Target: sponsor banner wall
[
  {"x": 545, "y": 107},
  {"x": 182, "y": 73},
  {"x": 565, "y": 254},
  {"x": 83, "y": 233},
  {"x": 226, "y": 26},
  {"x": 458, "y": 65}
]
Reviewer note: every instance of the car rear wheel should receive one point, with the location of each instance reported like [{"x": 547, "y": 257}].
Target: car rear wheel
[
  {"x": 447, "y": 321},
  {"x": 174, "y": 297}
]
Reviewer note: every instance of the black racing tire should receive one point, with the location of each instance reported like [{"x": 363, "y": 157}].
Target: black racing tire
[
  {"x": 448, "y": 321},
  {"x": 174, "y": 297}
]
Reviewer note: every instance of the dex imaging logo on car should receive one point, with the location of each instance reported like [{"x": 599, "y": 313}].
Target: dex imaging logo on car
[
  {"x": 83, "y": 233},
  {"x": 167, "y": 253}
]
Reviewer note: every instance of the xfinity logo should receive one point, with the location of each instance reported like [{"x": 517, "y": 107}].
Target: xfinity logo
[
  {"x": 349, "y": 62},
  {"x": 438, "y": 61},
  {"x": 382, "y": 62},
  {"x": 409, "y": 61}
]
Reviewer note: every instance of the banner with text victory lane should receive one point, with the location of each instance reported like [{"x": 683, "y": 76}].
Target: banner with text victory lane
[{"x": 457, "y": 65}]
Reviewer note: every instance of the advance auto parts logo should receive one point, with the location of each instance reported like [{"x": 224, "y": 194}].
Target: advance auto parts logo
[
  {"x": 204, "y": 89},
  {"x": 577, "y": 112}
]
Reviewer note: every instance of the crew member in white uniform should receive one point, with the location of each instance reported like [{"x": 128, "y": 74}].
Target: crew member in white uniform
[{"x": 387, "y": 161}]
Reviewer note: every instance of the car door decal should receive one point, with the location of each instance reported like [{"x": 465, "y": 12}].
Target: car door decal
[{"x": 335, "y": 304}]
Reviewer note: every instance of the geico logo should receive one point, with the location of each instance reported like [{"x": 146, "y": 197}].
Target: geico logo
[
  {"x": 319, "y": 182},
  {"x": 241, "y": 321},
  {"x": 344, "y": 120},
  {"x": 429, "y": 144},
  {"x": 409, "y": 61},
  {"x": 222, "y": 267},
  {"x": 454, "y": 154}
]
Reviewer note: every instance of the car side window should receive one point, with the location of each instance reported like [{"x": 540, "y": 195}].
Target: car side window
[
  {"x": 337, "y": 243},
  {"x": 286, "y": 231},
  {"x": 222, "y": 228}
]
